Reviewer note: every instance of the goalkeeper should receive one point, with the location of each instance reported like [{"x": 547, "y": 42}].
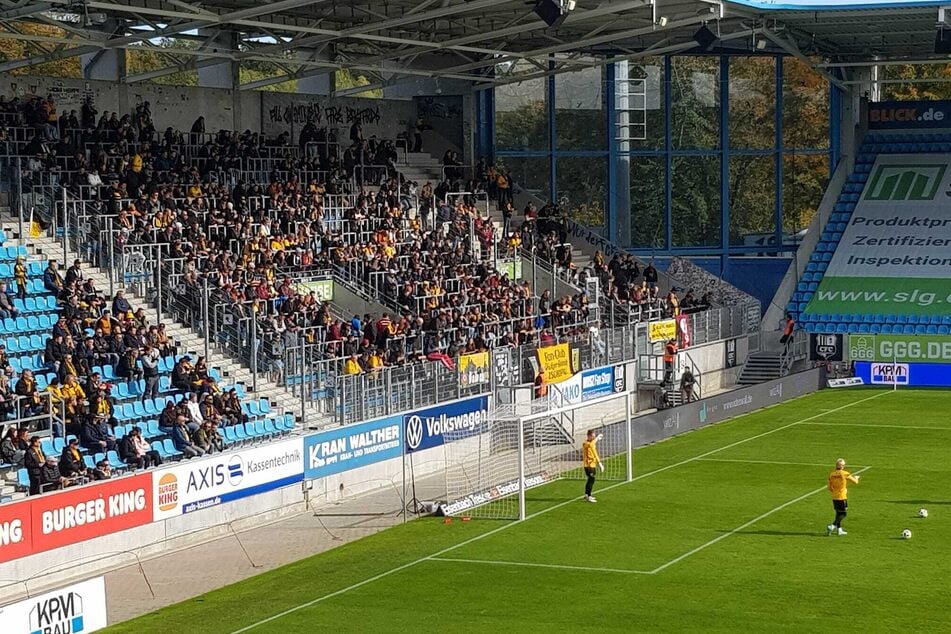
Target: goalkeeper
[{"x": 591, "y": 462}]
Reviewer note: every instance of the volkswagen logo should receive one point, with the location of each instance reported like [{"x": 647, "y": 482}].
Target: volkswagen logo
[{"x": 414, "y": 432}]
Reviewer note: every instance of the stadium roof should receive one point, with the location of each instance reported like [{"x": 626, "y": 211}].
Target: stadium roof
[{"x": 390, "y": 40}]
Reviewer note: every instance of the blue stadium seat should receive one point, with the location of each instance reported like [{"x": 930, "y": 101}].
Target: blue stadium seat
[
  {"x": 170, "y": 449},
  {"x": 115, "y": 462},
  {"x": 227, "y": 433},
  {"x": 23, "y": 479}
]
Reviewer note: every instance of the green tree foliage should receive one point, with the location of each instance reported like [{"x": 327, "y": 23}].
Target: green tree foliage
[
  {"x": 12, "y": 50},
  {"x": 144, "y": 59},
  {"x": 344, "y": 78},
  {"x": 521, "y": 124},
  {"x": 914, "y": 89}
]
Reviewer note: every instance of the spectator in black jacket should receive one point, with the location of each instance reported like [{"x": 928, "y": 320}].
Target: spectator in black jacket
[
  {"x": 71, "y": 463},
  {"x": 34, "y": 461},
  {"x": 50, "y": 476},
  {"x": 128, "y": 367},
  {"x": 121, "y": 307},
  {"x": 96, "y": 436}
]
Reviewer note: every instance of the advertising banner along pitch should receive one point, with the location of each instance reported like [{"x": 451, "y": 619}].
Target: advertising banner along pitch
[
  {"x": 75, "y": 609},
  {"x": 353, "y": 446},
  {"x": 427, "y": 428},
  {"x": 894, "y": 256},
  {"x": 50, "y": 521},
  {"x": 193, "y": 485},
  {"x": 900, "y": 348}
]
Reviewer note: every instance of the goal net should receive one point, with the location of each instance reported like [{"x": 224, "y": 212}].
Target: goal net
[{"x": 525, "y": 445}]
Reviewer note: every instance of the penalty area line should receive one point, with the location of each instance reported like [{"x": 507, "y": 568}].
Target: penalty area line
[
  {"x": 549, "y": 509},
  {"x": 736, "y": 530},
  {"x": 527, "y": 564}
]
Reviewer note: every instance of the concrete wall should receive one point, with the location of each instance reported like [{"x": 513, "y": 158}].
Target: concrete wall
[{"x": 175, "y": 106}]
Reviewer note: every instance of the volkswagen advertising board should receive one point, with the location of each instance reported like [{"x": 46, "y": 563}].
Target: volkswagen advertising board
[{"x": 428, "y": 428}]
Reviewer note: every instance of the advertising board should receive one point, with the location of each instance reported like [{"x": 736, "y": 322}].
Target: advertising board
[
  {"x": 900, "y": 348},
  {"x": 76, "y": 609},
  {"x": 49, "y": 521},
  {"x": 192, "y": 485},
  {"x": 353, "y": 446},
  {"x": 427, "y": 428},
  {"x": 904, "y": 374}
]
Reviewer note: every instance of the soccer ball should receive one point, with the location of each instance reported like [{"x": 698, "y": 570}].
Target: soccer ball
[
  {"x": 923, "y": 513},
  {"x": 906, "y": 534}
]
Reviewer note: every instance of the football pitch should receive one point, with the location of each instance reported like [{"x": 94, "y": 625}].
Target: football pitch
[{"x": 722, "y": 529}]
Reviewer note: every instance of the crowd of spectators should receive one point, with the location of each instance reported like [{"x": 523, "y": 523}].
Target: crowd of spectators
[
  {"x": 426, "y": 252},
  {"x": 244, "y": 240}
]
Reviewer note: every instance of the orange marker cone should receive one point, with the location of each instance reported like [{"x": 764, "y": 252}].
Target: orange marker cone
[{"x": 447, "y": 520}]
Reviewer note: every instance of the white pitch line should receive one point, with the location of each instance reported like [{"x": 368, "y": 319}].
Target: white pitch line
[
  {"x": 736, "y": 530},
  {"x": 918, "y": 427},
  {"x": 527, "y": 564},
  {"x": 775, "y": 462},
  {"x": 555, "y": 507}
]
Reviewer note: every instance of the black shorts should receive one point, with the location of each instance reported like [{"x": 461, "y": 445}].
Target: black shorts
[
  {"x": 590, "y": 471},
  {"x": 840, "y": 505}
]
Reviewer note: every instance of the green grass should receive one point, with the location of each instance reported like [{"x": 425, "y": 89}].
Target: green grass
[{"x": 777, "y": 574}]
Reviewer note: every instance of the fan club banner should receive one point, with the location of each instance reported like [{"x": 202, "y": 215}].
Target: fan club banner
[
  {"x": 560, "y": 362},
  {"x": 684, "y": 336},
  {"x": 894, "y": 256},
  {"x": 663, "y": 330},
  {"x": 474, "y": 369}
]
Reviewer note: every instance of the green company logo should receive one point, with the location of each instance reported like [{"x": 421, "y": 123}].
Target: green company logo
[
  {"x": 861, "y": 348},
  {"x": 905, "y": 182}
]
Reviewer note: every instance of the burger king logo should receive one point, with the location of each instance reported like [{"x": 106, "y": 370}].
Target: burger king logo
[{"x": 168, "y": 492}]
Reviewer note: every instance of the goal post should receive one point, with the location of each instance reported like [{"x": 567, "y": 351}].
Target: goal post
[{"x": 522, "y": 446}]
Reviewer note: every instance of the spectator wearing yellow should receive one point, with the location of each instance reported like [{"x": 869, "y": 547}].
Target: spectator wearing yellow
[{"x": 352, "y": 366}]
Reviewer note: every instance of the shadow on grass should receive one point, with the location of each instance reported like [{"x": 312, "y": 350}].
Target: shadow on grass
[
  {"x": 778, "y": 533},
  {"x": 920, "y": 502}
]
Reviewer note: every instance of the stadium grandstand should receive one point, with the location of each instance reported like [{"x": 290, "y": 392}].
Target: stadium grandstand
[{"x": 337, "y": 266}]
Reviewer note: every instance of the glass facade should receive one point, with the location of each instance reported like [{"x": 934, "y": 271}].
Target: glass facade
[{"x": 691, "y": 154}]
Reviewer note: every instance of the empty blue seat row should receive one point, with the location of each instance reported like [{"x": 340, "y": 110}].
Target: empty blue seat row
[
  {"x": 11, "y": 253},
  {"x": 33, "y": 269},
  {"x": 855, "y": 328},
  {"x": 39, "y": 304},
  {"x": 31, "y": 323},
  {"x": 26, "y": 343},
  {"x": 28, "y": 362}
]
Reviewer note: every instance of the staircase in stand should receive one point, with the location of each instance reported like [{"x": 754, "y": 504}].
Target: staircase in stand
[
  {"x": 185, "y": 338},
  {"x": 760, "y": 367}
]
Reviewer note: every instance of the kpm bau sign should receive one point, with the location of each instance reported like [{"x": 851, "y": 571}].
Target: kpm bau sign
[
  {"x": 432, "y": 427},
  {"x": 75, "y": 609}
]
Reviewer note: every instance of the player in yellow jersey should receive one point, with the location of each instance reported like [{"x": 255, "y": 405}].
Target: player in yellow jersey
[
  {"x": 591, "y": 461},
  {"x": 839, "y": 487}
]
